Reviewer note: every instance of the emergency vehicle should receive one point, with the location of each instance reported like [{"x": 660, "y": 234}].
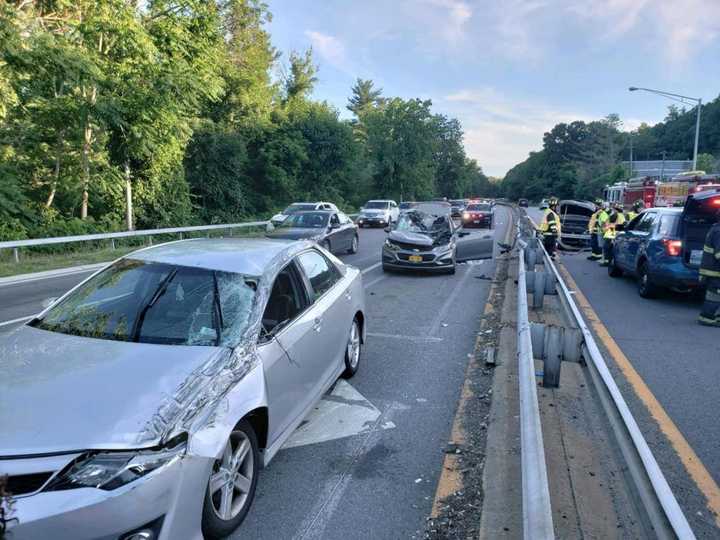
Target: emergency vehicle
[
  {"x": 676, "y": 191},
  {"x": 643, "y": 188},
  {"x": 615, "y": 193}
]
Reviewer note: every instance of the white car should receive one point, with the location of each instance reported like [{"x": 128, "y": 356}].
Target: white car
[
  {"x": 301, "y": 207},
  {"x": 381, "y": 212}
]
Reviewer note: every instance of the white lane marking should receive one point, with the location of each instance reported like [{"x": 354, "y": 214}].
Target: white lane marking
[
  {"x": 86, "y": 269},
  {"x": 14, "y": 321},
  {"x": 374, "y": 281},
  {"x": 400, "y": 336},
  {"x": 342, "y": 413},
  {"x": 370, "y": 268},
  {"x": 449, "y": 303}
]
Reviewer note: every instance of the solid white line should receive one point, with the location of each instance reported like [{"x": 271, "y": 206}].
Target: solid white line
[
  {"x": 21, "y": 319},
  {"x": 374, "y": 281},
  {"x": 449, "y": 302},
  {"x": 19, "y": 280},
  {"x": 369, "y": 268},
  {"x": 400, "y": 336}
]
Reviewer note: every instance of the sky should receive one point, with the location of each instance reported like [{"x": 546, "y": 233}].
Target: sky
[{"x": 510, "y": 70}]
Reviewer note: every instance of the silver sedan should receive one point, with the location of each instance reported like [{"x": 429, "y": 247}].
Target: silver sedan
[{"x": 143, "y": 403}]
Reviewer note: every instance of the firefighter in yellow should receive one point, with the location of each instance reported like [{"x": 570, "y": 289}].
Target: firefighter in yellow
[
  {"x": 550, "y": 226},
  {"x": 610, "y": 228},
  {"x": 637, "y": 207},
  {"x": 595, "y": 228},
  {"x": 710, "y": 276}
]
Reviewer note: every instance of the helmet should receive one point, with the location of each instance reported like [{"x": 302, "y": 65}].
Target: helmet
[
  {"x": 553, "y": 201},
  {"x": 638, "y": 205},
  {"x": 543, "y": 205}
]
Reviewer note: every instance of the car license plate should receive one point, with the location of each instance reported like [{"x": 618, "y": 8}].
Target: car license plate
[
  {"x": 415, "y": 258},
  {"x": 696, "y": 256}
]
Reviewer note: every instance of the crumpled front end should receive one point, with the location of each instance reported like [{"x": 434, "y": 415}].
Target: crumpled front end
[{"x": 403, "y": 250}]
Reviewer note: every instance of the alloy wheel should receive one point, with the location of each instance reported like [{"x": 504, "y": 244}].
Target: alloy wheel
[
  {"x": 353, "y": 346},
  {"x": 232, "y": 477}
]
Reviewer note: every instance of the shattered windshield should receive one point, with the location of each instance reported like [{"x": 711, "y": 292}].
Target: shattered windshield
[
  {"x": 306, "y": 220},
  {"x": 420, "y": 222},
  {"x": 156, "y": 303}
]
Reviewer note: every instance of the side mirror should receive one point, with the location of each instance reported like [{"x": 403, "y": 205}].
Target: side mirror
[
  {"x": 387, "y": 229},
  {"x": 334, "y": 226},
  {"x": 463, "y": 233}
]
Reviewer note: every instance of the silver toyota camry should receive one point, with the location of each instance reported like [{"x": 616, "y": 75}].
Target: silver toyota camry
[{"x": 143, "y": 403}]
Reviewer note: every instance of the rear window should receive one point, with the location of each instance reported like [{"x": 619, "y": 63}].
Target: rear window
[
  {"x": 702, "y": 211},
  {"x": 669, "y": 225}
]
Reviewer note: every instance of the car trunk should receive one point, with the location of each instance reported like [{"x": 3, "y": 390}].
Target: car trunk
[
  {"x": 574, "y": 220},
  {"x": 698, "y": 217}
]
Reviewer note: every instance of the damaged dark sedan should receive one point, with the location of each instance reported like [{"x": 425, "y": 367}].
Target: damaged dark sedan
[
  {"x": 425, "y": 238},
  {"x": 574, "y": 221}
]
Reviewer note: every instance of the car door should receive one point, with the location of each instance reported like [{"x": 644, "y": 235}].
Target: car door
[
  {"x": 473, "y": 244},
  {"x": 330, "y": 317},
  {"x": 637, "y": 239},
  {"x": 348, "y": 228},
  {"x": 338, "y": 235},
  {"x": 286, "y": 342}
]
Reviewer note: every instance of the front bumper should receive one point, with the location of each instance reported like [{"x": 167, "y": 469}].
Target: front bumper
[
  {"x": 173, "y": 494},
  {"x": 436, "y": 259},
  {"x": 373, "y": 221}
]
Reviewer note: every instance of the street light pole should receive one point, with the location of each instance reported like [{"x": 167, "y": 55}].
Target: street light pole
[{"x": 678, "y": 97}]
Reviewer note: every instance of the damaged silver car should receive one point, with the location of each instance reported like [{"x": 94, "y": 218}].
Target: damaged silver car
[
  {"x": 143, "y": 403},
  {"x": 574, "y": 221},
  {"x": 426, "y": 238}
]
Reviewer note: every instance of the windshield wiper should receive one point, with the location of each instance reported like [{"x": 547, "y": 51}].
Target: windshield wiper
[{"x": 156, "y": 295}]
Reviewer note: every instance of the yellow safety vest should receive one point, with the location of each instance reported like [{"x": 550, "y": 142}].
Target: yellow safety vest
[
  {"x": 550, "y": 224},
  {"x": 631, "y": 215},
  {"x": 602, "y": 218}
]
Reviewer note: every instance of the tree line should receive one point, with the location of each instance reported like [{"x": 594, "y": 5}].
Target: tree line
[
  {"x": 579, "y": 159},
  {"x": 122, "y": 114}
]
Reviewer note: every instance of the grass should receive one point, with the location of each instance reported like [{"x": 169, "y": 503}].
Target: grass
[{"x": 35, "y": 260}]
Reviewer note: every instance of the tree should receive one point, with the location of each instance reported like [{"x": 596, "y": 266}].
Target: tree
[
  {"x": 299, "y": 83},
  {"x": 364, "y": 95},
  {"x": 707, "y": 163}
]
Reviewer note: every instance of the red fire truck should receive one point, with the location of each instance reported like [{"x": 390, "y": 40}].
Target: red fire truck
[
  {"x": 642, "y": 188},
  {"x": 674, "y": 192}
]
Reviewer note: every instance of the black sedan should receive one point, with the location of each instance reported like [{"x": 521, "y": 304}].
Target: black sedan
[{"x": 332, "y": 230}]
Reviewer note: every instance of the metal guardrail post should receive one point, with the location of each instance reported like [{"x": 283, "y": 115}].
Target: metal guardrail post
[
  {"x": 537, "y": 512},
  {"x": 16, "y": 255}
]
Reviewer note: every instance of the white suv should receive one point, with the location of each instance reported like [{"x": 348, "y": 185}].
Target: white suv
[{"x": 378, "y": 212}]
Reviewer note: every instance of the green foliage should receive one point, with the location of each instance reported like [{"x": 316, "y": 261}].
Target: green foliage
[
  {"x": 579, "y": 159},
  {"x": 170, "y": 104}
]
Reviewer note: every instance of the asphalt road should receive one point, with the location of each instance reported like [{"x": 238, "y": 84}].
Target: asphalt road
[
  {"x": 677, "y": 358},
  {"x": 367, "y": 464}
]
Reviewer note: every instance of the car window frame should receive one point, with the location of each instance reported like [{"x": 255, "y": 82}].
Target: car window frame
[
  {"x": 337, "y": 217},
  {"x": 306, "y": 278},
  {"x": 645, "y": 215},
  {"x": 297, "y": 277}
]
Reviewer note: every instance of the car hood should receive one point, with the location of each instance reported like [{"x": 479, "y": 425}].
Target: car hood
[
  {"x": 60, "y": 393},
  {"x": 576, "y": 208},
  {"x": 294, "y": 233},
  {"x": 419, "y": 239},
  {"x": 375, "y": 212}
]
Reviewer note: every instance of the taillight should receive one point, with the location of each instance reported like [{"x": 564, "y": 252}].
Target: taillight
[
  {"x": 715, "y": 202},
  {"x": 672, "y": 247}
]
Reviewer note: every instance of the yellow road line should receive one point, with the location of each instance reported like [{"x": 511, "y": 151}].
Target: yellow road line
[{"x": 690, "y": 460}]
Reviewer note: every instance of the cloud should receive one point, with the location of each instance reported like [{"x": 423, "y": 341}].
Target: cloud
[
  {"x": 330, "y": 49},
  {"x": 501, "y": 131},
  {"x": 446, "y": 20},
  {"x": 676, "y": 27}
]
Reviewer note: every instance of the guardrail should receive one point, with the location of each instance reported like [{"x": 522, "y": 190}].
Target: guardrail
[
  {"x": 537, "y": 511},
  {"x": 15, "y": 245},
  {"x": 659, "y": 503}
]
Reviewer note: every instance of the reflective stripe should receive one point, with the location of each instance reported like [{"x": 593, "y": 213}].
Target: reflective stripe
[
  {"x": 710, "y": 273},
  {"x": 717, "y": 255},
  {"x": 708, "y": 249}
]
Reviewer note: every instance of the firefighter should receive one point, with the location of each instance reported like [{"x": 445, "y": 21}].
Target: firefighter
[
  {"x": 609, "y": 232},
  {"x": 637, "y": 207},
  {"x": 550, "y": 226},
  {"x": 710, "y": 276},
  {"x": 595, "y": 230}
]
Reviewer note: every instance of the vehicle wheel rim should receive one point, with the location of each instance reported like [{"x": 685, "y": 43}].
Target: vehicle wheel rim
[
  {"x": 232, "y": 477},
  {"x": 353, "y": 346},
  {"x": 643, "y": 279},
  {"x": 355, "y": 244}
]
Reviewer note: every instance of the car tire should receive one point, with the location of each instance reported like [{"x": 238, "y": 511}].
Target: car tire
[
  {"x": 614, "y": 270},
  {"x": 451, "y": 271},
  {"x": 214, "y": 523},
  {"x": 646, "y": 288},
  {"x": 386, "y": 268},
  {"x": 354, "y": 245},
  {"x": 353, "y": 350}
]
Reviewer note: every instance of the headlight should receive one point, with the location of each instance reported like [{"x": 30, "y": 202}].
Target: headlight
[
  {"x": 389, "y": 245},
  {"x": 110, "y": 470},
  {"x": 466, "y": 215}
]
